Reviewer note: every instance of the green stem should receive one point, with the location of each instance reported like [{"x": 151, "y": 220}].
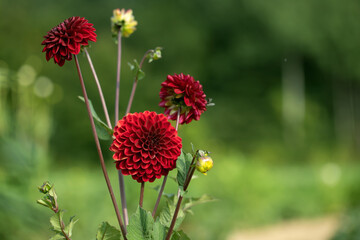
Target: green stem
[{"x": 98, "y": 147}]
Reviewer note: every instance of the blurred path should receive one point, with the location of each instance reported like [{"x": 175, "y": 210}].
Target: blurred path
[{"x": 305, "y": 229}]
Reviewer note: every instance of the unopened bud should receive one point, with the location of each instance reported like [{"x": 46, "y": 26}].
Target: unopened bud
[
  {"x": 204, "y": 163},
  {"x": 45, "y": 188}
]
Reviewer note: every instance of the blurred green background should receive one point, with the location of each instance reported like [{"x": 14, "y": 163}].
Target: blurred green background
[{"x": 284, "y": 134}]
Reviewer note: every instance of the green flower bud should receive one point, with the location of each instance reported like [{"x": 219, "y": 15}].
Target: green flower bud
[
  {"x": 45, "y": 188},
  {"x": 204, "y": 163}
]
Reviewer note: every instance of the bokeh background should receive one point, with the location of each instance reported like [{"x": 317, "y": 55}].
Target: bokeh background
[{"x": 284, "y": 134}]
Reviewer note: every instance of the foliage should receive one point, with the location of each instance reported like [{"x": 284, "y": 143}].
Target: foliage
[
  {"x": 108, "y": 232},
  {"x": 350, "y": 226}
]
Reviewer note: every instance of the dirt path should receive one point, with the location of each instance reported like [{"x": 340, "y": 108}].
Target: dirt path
[{"x": 304, "y": 229}]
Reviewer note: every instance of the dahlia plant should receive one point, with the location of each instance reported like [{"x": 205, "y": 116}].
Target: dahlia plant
[{"x": 145, "y": 145}]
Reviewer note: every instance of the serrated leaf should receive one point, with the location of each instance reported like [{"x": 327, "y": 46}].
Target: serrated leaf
[
  {"x": 107, "y": 232},
  {"x": 167, "y": 214},
  {"x": 56, "y": 220},
  {"x": 140, "y": 225},
  {"x": 180, "y": 235},
  {"x": 159, "y": 231},
  {"x": 70, "y": 226},
  {"x": 196, "y": 201},
  {"x": 58, "y": 237},
  {"x": 182, "y": 165},
  {"x": 102, "y": 130}
]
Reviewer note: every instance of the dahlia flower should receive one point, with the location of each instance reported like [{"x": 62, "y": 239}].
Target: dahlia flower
[
  {"x": 64, "y": 40},
  {"x": 145, "y": 146},
  {"x": 182, "y": 92},
  {"x": 123, "y": 20}
]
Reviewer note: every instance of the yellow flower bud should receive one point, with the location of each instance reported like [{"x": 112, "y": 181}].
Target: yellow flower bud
[
  {"x": 204, "y": 163},
  {"x": 124, "y": 21}
]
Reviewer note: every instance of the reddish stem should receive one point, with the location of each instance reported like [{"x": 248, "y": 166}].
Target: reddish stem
[
  {"x": 165, "y": 178},
  {"x": 173, "y": 221},
  {"x": 142, "y": 194},
  {"x": 98, "y": 147},
  {"x": 117, "y": 93},
  {"x": 117, "y": 100},
  {"x": 135, "y": 83},
  {"x": 99, "y": 89}
]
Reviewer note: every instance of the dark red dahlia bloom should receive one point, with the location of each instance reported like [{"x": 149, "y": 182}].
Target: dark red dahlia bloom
[
  {"x": 182, "y": 91},
  {"x": 64, "y": 40},
  {"x": 146, "y": 146}
]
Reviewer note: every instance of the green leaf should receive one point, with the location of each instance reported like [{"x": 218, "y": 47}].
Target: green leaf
[
  {"x": 102, "y": 130},
  {"x": 58, "y": 236},
  {"x": 69, "y": 228},
  {"x": 107, "y": 232},
  {"x": 183, "y": 164},
  {"x": 140, "y": 225},
  {"x": 167, "y": 214},
  {"x": 196, "y": 201},
  {"x": 159, "y": 231},
  {"x": 136, "y": 70},
  {"x": 56, "y": 220},
  {"x": 180, "y": 235}
]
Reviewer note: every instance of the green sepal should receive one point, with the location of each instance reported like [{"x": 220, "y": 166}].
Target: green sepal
[
  {"x": 102, "y": 130},
  {"x": 140, "y": 225},
  {"x": 108, "y": 232}
]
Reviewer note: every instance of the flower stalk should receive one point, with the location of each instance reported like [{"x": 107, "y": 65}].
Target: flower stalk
[
  {"x": 142, "y": 194},
  {"x": 99, "y": 89},
  {"x": 165, "y": 178},
  {"x": 99, "y": 149},
  {"x": 135, "y": 83},
  {"x": 186, "y": 185},
  {"x": 117, "y": 100}
]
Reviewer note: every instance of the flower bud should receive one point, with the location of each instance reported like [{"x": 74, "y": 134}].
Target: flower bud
[
  {"x": 124, "y": 21},
  {"x": 204, "y": 163},
  {"x": 45, "y": 188}
]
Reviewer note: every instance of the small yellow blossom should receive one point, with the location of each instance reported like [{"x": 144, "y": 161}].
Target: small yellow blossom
[
  {"x": 124, "y": 21},
  {"x": 204, "y": 163}
]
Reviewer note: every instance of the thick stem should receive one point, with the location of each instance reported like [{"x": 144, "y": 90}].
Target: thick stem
[
  {"x": 173, "y": 221},
  {"x": 103, "y": 167},
  {"x": 165, "y": 178},
  {"x": 142, "y": 194},
  {"x": 135, "y": 83},
  {"x": 99, "y": 89}
]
